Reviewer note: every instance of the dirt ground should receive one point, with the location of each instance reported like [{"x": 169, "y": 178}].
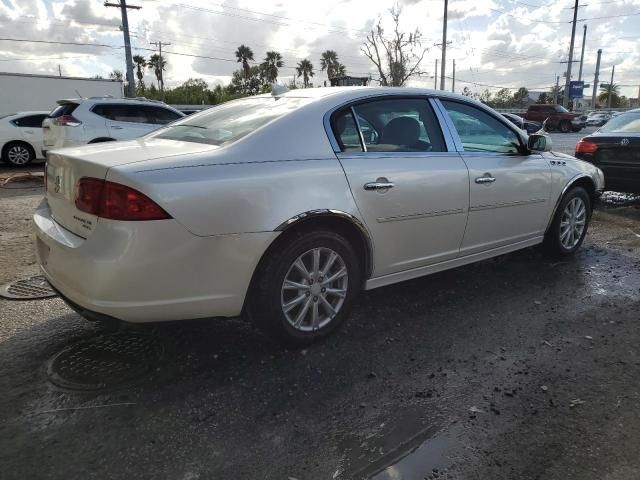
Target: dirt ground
[{"x": 521, "y": 367}]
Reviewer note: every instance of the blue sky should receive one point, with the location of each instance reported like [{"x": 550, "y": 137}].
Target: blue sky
[{"x": 494, "y": 42}]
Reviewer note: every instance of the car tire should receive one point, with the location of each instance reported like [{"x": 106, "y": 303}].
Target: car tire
[
  {"x": 280, "y": 282},
  {"x": 18, "y": 154},
  {"x": 565, "y": 126},
  {"x": 570, "y": 223}
]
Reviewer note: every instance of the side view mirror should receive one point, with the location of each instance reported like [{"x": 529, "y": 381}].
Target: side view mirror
[{"x": 539, "y": 143}]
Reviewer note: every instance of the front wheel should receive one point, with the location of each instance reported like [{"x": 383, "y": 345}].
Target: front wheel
[
  {"x": 570, "y": 223},
  {"x": 305, "y": 287},
  {"x": 565, "y": 126}
]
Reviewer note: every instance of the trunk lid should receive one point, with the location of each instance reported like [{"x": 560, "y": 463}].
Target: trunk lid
[{"x": 66, "y": 166}]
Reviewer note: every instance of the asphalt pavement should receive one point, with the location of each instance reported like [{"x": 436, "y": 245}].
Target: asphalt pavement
[{"x": 521, "y": 367}]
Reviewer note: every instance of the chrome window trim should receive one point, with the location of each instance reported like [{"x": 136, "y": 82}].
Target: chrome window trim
[
  {"x": 345, "y": 155},
  {"x": 326, "y": 120},
  {"x": 357, "y": 122}
]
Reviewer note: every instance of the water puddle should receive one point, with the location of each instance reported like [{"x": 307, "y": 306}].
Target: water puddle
[{"x": 433, "y": 455}]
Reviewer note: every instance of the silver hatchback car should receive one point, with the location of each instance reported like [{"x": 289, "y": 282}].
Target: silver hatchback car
[{"x": 284, "y": 206}]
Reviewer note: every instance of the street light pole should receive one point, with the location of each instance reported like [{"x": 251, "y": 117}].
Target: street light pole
[
  {"x": 584, "y": 40},
  {"x": 594, "y": 99}
]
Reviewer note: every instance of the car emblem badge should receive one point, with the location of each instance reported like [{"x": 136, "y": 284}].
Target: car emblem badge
[
  {"x": 57, "y": 184},
  {"x": 624, "y": 142}
]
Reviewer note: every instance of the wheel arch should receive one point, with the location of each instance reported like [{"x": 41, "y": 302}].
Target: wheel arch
[
  {"x": 334, "y": 220},
  {"x": 581, "y": 180}
]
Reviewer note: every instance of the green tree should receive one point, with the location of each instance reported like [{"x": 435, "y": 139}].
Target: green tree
[
  {"x": 248, "y": 83},
  {"x": 140, "y": 63},
  {"x": 116, "y": 75},
  {"x": 466, "y": 91},
  {"x": 305, "y": 70},
  {"x": 521, "y": 97},
  {"x": 329, "y": 62},
  {"x": 543, "y": 98},
  {"x": 244, "y": 55},
  {"x": 158, "y": 65},
  {"x": 609, "y": 90},
  {"x": 503, "y": 98},
  {"x": 486, "y": 96},
  {"x": 272, "y": 62},
  {"x": 341, "y": 70}
]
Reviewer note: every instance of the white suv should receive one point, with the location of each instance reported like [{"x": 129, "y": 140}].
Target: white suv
[{"x": 102, "y": 119}]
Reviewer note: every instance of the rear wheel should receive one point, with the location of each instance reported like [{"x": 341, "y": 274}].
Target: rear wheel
[
  {"x": 565, "y": 126},
  {"x": 570, "y": 223},
  {"x": 305, "y": 287},
  {"x": 18, "y": 153}
]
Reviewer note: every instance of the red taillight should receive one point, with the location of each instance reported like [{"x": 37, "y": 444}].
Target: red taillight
[
  {"x": 67, "y": 121},
  {"x": 115, "y": 201},
  {"x": 584, "y": 146}
]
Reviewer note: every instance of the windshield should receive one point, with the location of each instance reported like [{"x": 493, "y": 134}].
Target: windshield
[
  {"x": 625, "y": 123},
  {"x": 561, "y": 109},
  {"x": 229, "y": 122}
]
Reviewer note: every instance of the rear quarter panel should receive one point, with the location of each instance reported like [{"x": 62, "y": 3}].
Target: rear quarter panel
[{"x": 279, "y": 171}]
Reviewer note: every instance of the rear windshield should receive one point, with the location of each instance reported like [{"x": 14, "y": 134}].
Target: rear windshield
[
  {"x": 625, "y": 123},
  {"x": 229, "y": 122},
  {"x": 64, "y": 109}
]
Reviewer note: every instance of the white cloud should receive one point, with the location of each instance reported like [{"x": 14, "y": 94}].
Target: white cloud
[{"x": 496, "y": 42}]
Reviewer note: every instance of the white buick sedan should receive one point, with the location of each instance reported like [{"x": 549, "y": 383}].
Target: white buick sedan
[{"x": 284, "y": 206}]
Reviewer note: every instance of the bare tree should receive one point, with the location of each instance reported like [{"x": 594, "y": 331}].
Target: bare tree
[{"x": 397, "y": 57}]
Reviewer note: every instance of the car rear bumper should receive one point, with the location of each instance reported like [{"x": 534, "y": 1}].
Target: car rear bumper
[{"x": 148, "y": 271}]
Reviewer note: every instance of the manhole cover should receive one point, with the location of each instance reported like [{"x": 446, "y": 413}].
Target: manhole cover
[
  {"x": 105, "y": 361},
  {"x": 28, "y": 289}
]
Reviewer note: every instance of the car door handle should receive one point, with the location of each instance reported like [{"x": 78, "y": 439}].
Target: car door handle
[
  {"x": 486, "y": 178},
  {"x": 378, "y": 185},
  {"x": 116, "y": 127}
]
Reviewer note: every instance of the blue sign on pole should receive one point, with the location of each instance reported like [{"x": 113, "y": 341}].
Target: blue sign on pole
[{"x": 575, "y": 89}]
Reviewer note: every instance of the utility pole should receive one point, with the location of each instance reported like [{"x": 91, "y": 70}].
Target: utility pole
[
  {"x": 565, "y": 99},
  {"x": 453, "y": 79},
  {"x": 443, "y": 63},
  {"x": 594, "y": 99},
  {"x": 131, "y": 85},
  {"x": 435, "y": 77},
  {"x": 555, "y": 90},
  {"x": 159, "y": 45},
  {"x": 613, "y": 70},
  {"x": 584, "y": 40}
]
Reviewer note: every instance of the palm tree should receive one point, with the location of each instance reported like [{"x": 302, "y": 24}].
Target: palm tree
[
  {"x": 341, "y": 70},
  {"x": 244, "y": 55},
  {"x": 140, "y": 63},
  {"x": 272, "y": 62},
  {"x": 329, "y": 62},
  {"x": 158, "y": 65},
  {"x": 305, "y": 70},
  {"x": 609, "y": 93}
]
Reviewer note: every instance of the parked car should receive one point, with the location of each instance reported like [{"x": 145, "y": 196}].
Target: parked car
[
  {"x": 272, "y": 206},
  {"x": 615, "y": 148},
  {"x": 102, "y": 119},
  {"x": 21, "y": 137},
  {"x": 528, "y": 126},
  {"x": 558, "y": 117},
  {"x": 598, "y": 119}
]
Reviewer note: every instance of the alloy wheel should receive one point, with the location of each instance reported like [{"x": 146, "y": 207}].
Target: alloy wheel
[
  {"x": 572, "y": 223},
  {"x": 314, "y": 289},
  {"x": 18, "y": 155}
]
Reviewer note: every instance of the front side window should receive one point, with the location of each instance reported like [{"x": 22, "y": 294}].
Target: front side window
[
  {"x": 481, "y": 132},
  {"x": 390, "y": 125},
  {"x": 230, "y": 121}
]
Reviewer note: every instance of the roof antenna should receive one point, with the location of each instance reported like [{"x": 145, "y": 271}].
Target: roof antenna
[{"x": 80, "y": 96}]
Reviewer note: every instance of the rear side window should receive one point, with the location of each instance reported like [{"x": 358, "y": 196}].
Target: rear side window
[
  {"x": 64, "y": 109},
  {"x": 122, "y": 113},
  {"x": 31, "y": 121},
  {"x": 390, "y": 125}
]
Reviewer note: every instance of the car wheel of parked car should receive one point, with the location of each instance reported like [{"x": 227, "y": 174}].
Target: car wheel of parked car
[
  {"x": 570, "y": 223},
  {"x": 305, "y": 286},
  {"x": 18, "y": 153},
  {"x": 565, "y": 126}
]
